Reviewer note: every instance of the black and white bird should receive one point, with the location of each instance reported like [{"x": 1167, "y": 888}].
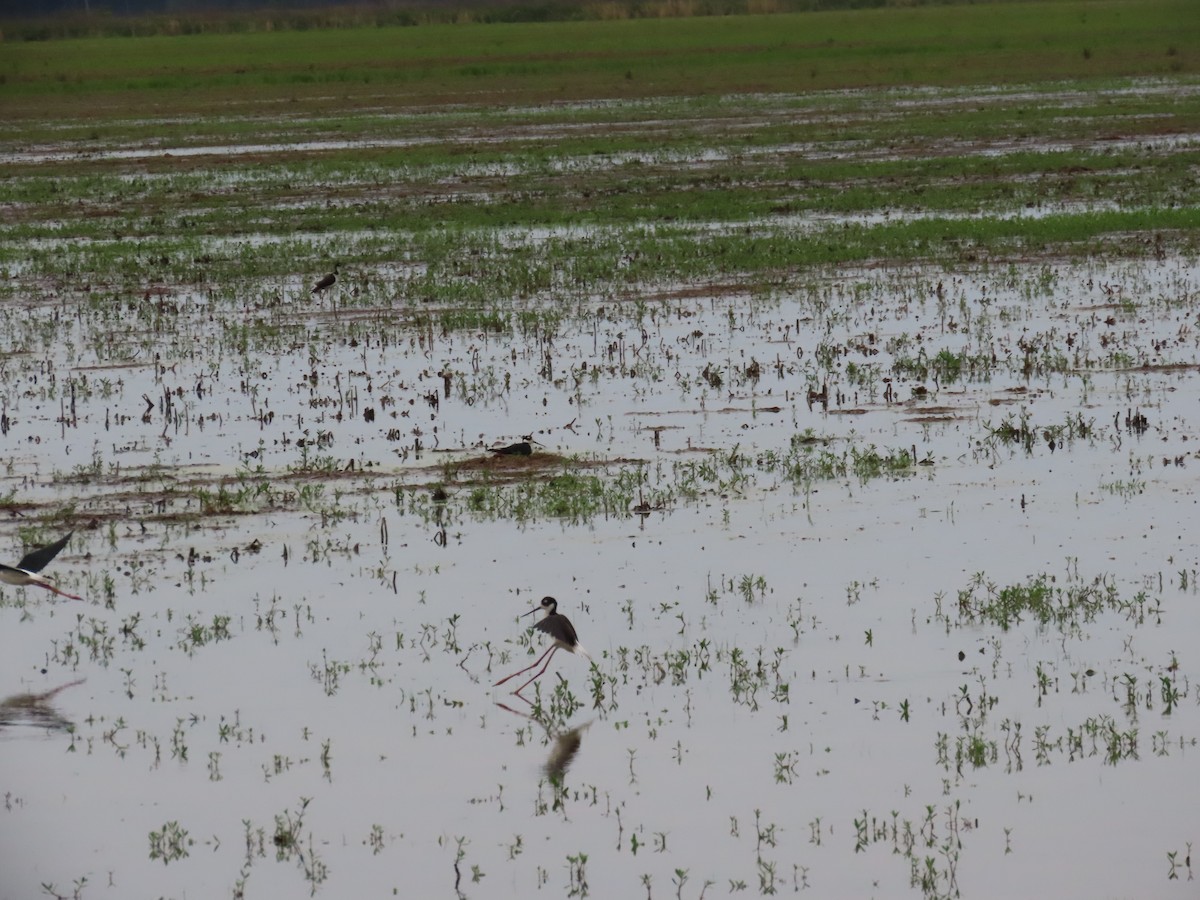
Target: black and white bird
[
  {"x": 327, "y": 281},
  {"x": 521, "y": 448},
  {"x": 562, "y": 635},
  {"x": 26, "y": 571}
]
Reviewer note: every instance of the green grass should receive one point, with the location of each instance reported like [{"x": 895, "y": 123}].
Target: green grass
[
  {"x": 569, "y": 496},
  {"x": 670, "y": 253},
  {"x": 945, "y": 45},
  {"x": 1066, "y": 607},
  {"x": 468, "y": 217}
]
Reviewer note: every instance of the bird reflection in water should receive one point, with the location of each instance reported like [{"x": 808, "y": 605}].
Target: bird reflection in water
[
  {"x": 36, "y": 710},
  {"x": 564, "y": 745}
]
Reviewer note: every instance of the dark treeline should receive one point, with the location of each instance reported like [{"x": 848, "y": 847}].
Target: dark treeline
[{"x": 49, "y": 19}]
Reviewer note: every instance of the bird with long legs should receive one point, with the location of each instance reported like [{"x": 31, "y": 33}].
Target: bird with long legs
[
  {"x": 562, "y": 636},
  {"x": 26, "y": 571}
]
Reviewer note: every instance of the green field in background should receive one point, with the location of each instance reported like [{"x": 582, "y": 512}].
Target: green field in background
[{"x": 943, "y": 45}]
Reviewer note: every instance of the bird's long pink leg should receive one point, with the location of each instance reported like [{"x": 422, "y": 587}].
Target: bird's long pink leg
[
  {"x": 51, "y": 587},
  {"x": 539, "y": 674},
  {"x": 536, "y": 662}
]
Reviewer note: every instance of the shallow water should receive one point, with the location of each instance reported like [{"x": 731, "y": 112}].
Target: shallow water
[
  {"x": 287, "y": 687},
  {"x": 419, "y": 747}
]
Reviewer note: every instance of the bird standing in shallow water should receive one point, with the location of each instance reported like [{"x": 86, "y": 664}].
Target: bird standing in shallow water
[
  {"x": 26, "y": 571},
  {"x": 562, "y": 634},
  {"x": 327, "y": 281}
]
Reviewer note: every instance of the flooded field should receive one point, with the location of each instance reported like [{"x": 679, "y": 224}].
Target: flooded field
[{"x": 883, "y": 559}]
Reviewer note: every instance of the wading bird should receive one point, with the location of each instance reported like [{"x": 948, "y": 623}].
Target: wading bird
[
  {"x": 327, "y": 281},
  {"x": 562, "y": 635},
  {"x": 26, "y": 571},
  {"x": 521, "y": 448}
]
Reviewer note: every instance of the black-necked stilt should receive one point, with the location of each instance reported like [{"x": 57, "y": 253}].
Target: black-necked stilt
[
  {"x": 26, "y": 571},
  {"x": 327, "y": 281},
  {"x": 522, "y": 448},
  {"x": 562, "y": 634}
]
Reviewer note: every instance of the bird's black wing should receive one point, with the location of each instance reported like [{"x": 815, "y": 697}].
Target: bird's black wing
[
  {"x": 559, "y": 628},
  {"x": 36, "y": 560},
  {"x": 521, "y": 449}
]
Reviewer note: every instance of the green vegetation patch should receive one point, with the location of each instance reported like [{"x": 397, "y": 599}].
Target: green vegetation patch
[
  {"x": 1042, "y": 599},
  {"x": 985, "y": 43}
]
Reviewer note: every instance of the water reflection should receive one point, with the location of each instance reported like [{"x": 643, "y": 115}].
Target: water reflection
[
  {"x": 439, "y": 508},
  {"x": 36, "y": 710},
  {"x": 564, "y": 745}
]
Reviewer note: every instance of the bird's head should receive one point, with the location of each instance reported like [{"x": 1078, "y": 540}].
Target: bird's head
[{"x": 548, "y": 604}]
